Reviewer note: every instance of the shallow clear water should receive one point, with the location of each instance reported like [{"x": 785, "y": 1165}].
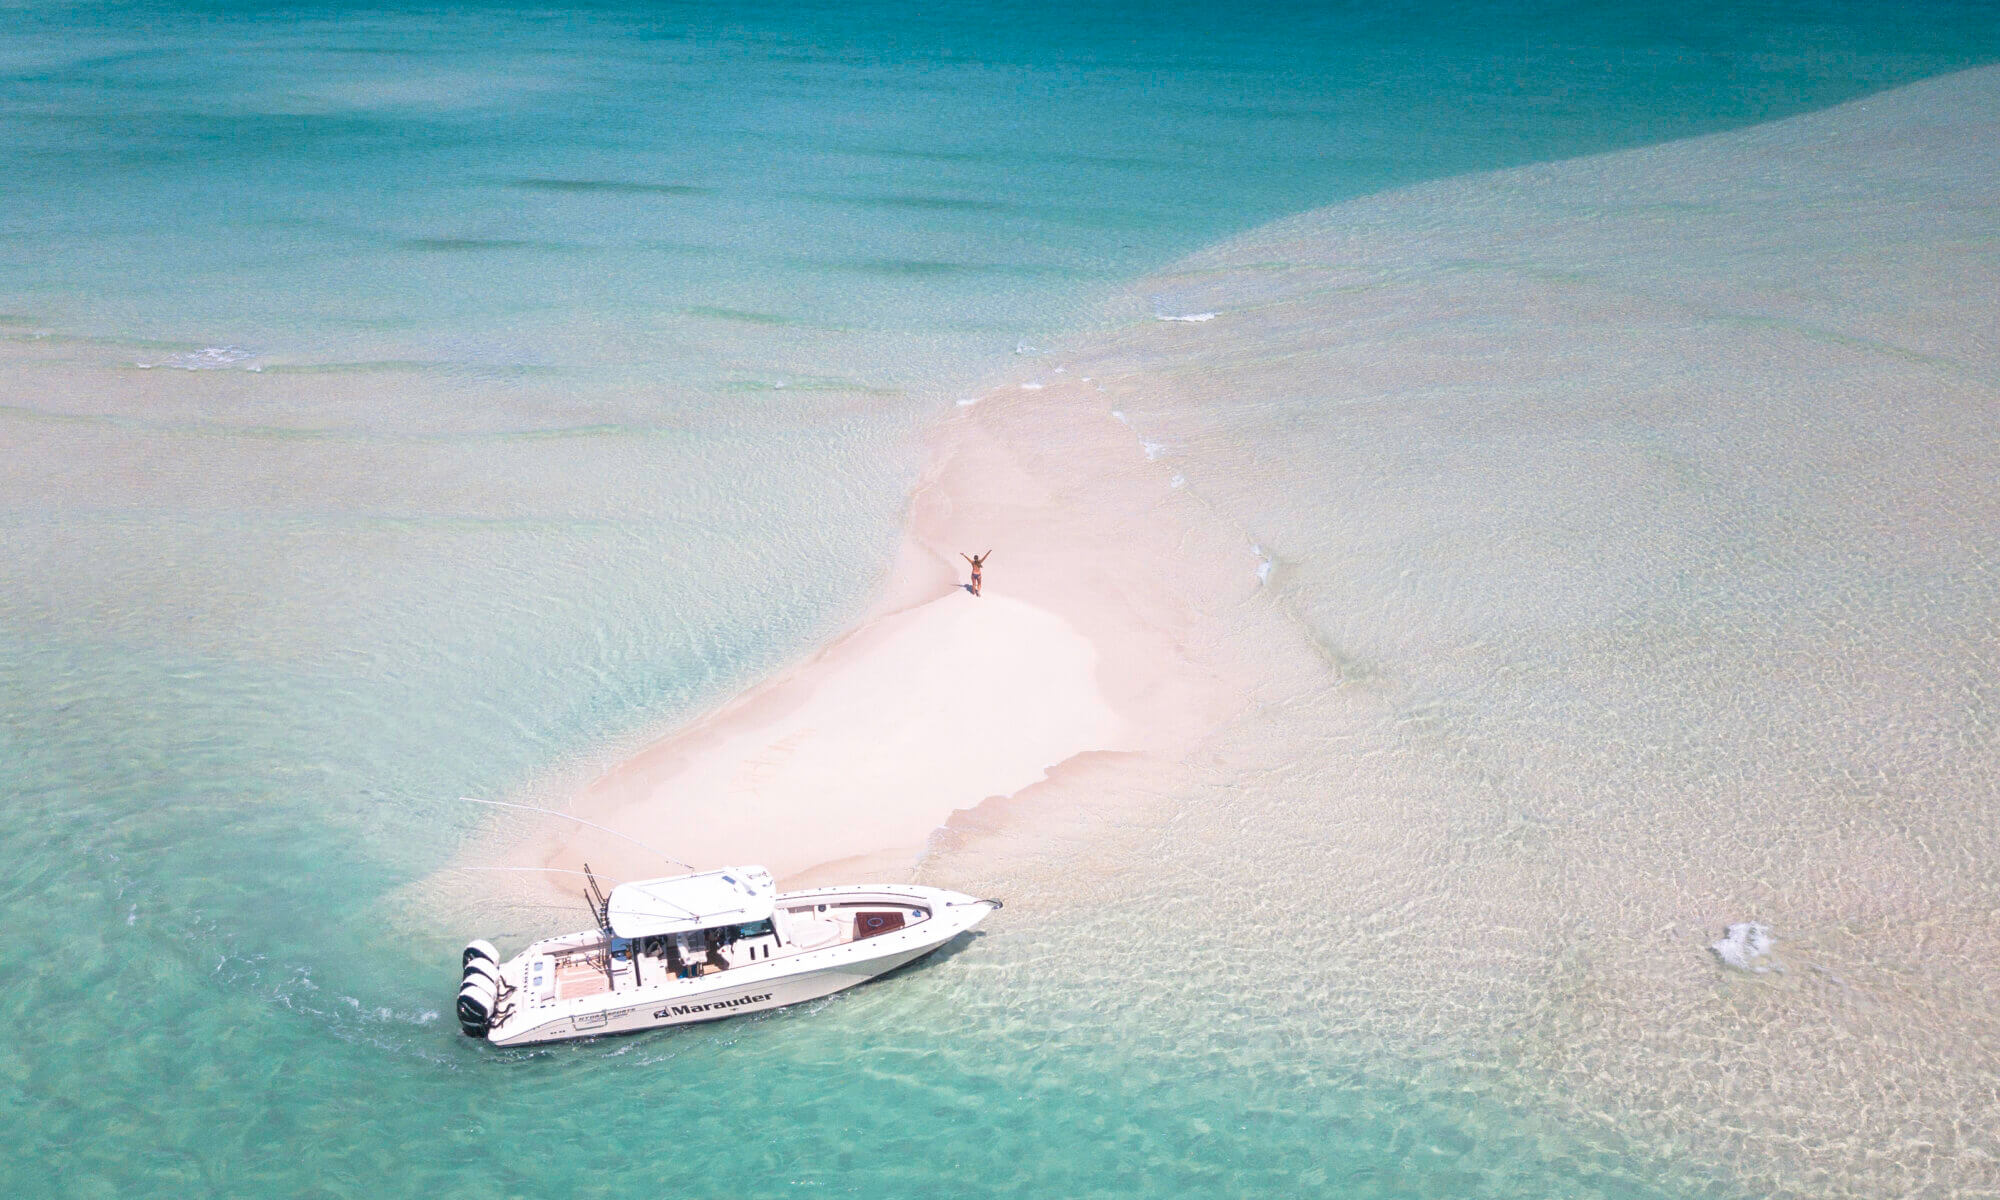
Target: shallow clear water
[
  {"x": 1626, "y": 563},
  {"x": 399, "y": 406}
]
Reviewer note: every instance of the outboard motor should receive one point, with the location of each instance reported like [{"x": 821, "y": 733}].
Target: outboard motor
[
  {"x": 478, "y": 988},
  {"x": 479, "y": 968}
]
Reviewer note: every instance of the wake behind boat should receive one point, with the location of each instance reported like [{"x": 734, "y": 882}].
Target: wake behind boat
[{"x": 699, "y": 947}]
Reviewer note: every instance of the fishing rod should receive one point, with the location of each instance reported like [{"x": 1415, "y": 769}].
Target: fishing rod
[
  {"x": 597, "y": 901},
  {"x": 550, "y": 812},
  {"x": 550, "y": 870},
  {"x": 505, "y": 902}
]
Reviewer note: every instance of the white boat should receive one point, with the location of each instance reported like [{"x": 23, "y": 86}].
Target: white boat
[{"x": 700, "y": 947}]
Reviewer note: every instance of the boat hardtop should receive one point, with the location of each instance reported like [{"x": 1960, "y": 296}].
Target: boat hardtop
[{"x": 684, "y": 903}]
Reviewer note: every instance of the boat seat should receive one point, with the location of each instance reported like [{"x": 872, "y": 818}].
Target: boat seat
[{"x": 811, "y": 933}]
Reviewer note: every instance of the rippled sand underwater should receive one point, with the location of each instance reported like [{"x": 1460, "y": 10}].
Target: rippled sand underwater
[
  {"x": 299, "y": 548},
  {"x": 1627, "y": 537}
]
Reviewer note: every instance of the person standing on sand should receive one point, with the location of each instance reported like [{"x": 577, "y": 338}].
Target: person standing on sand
[{"x": 977, "y": 563}]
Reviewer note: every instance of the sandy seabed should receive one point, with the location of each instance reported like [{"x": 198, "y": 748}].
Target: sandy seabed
[{"x": 1515, "y": 582}]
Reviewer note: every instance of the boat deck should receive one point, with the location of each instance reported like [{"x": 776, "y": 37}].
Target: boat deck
[
  {"x": 574, "y": 967},
  {"x": 581, "y": 975}
]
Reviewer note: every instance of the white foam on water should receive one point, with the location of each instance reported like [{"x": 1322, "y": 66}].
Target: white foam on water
[
  {"x": 1190, "y": 318},
  {"x": 1032, "y": 386},
  {"x": 1152, "y": 450},
  {"x": 209, "y": 358},
  {"x": 967, "y": 401},
  {"x": 383, "y": 1014},
  {"x": 1745, "y": 943}
]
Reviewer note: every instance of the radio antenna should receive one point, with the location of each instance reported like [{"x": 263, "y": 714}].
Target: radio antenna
[
  {"x": 550, "y": 812},
  {"x": 592, "y": 875}
]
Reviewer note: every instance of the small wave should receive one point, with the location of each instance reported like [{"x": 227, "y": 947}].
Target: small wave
[
  {"x": 741, "y": 316},
  {"x": 454, "y": 244},
  {"x": 1153, "y": 450},
  {"x": 1191, "y": 318},
  {"x": 209, "y": 358},
  {"x": 612, "y": 185},
  {"x": 1119, "y": 416},
  {"x": 382, "y": 1014},
  {"x": 968, "y": 401},
  {"x": 1031, "y": 387},
  {"x": 806, "y": 383},
  {"x": 933, "y": 268},
  {"x": 905, "y": 200}
]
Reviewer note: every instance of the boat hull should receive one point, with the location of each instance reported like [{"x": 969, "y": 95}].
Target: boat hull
[{"x": 776, "y": 983}]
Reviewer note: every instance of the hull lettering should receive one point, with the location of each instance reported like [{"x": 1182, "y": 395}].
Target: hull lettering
[{"x": 683, "y": 1010}]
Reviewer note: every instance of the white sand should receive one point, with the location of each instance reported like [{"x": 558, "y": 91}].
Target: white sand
[
  {"x": 869, "y": 746},
  {"x": 1087, "y": 645}
]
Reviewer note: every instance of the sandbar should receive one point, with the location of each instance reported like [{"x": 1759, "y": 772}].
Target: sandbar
[
  {"x": 870, "y": 745},
  {"x": 842, "y": 766}
]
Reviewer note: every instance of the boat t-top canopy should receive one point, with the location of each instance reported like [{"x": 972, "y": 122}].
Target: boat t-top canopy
[{"x": 684, "y": 903}]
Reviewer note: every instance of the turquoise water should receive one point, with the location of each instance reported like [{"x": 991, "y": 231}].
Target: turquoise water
[
  {"x": 706, "y": 196},
  {"x": 407, "y": 405}
]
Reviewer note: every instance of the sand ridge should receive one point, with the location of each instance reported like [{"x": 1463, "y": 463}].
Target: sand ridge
[
  {"x": 870, "y": 744},
  {"x": 1084, "y": 643}
]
